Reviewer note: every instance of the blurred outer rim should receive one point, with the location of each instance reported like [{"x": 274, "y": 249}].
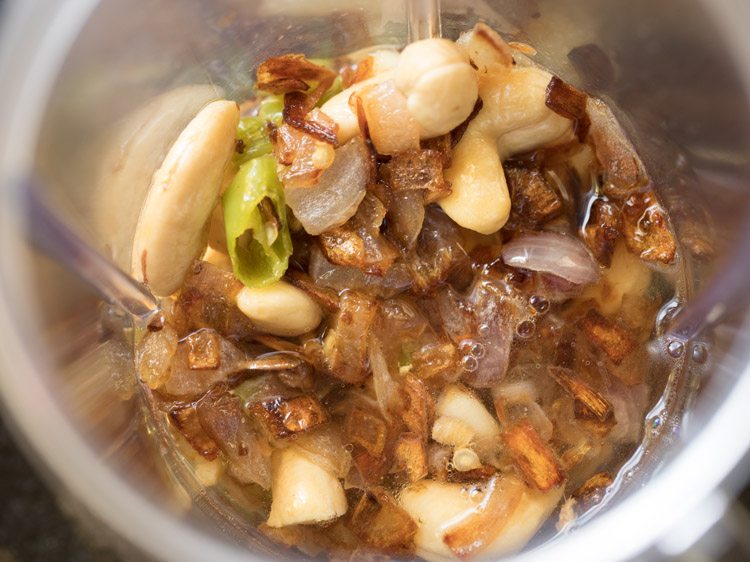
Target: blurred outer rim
[{"x": 35, "y": 39}]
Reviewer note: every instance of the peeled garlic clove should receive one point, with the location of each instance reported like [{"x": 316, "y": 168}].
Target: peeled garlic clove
[
  {"x": 479, "y": 198},
  {"x": 533, "y": 510},
  {"x": 440, "y": 507},
  {"x": 459, "y": 403},
  {"x": 172, "y": 228},
  {"x": 452, "y": 431},
  {"x": 280, "y": 309},
  {"x": 303, "y": 492}
]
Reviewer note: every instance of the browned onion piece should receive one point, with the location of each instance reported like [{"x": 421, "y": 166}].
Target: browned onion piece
[
  {"x": 646, "y": 228},
  {"x": 534, "y": 200},
  {"x": 420, "y": 169},
  {"x": 345, "y": 345},
  {"x": 382, "y": 381},
  {"x": 405, "y": 218},
  {"x": 533, "y": 456},
  {"x": 326, "y": 298},
  {"x": 325, "y": 447},
  {"x": 335, "y": 198},
  {"x": 207, "y": 300},
  {"x": 289, "y": 73},
  {"x": 359, "y": 243},
  {"x": 439, "y": 251},
  {"x": 550, "y": 252},
  {"x": 570, "y": 102},
  {"x": 391, "y": 127},
  {"x": 340, "y": 278},
  {"x": 186, "y": 382},
  {"x": 379, "y": 521},
  {"x": 602, "y": 230},
  {"x": 286, "y": 417},
  {"x": 296, "y": 107},
  {"x": 221, "y": 417},
  {"x": 622, "y": 168},
  {"x": 185, "y": 419},
  {"x": 494, "y": 314},
  {"x": 305, "y": 157}
]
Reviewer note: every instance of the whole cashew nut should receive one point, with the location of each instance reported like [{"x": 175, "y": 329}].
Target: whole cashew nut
[
  {"x": 514, "y": 119},
  {"x": 435, "y": 77},
  {"x": 440, "y": 86},
  {"x": 172, "y": 228}
]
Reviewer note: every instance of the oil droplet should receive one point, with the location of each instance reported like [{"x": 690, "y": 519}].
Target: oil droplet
[
  {"x": 700, "y": 353},
  {"x": 349, "y": 447},
  {"x": 469, "y": 363},
  {"x": 540, "y": 304},
  {"x": 525, "y": 329},
  {"x": 675, "y": 348}
]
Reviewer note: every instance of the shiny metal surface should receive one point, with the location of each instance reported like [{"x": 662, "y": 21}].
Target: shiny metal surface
[{"x": 82, "y": 81}]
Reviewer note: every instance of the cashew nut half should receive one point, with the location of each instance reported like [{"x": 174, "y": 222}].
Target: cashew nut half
[
  {"x": 514, "y": 119},
  {"x": 172, "y": 227},
  {"x": 280, "y": 309},
  {"x": 435, "y": 76}
]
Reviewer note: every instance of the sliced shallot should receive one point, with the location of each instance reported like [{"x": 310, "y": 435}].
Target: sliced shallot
[{"x": 550, "y": 252}]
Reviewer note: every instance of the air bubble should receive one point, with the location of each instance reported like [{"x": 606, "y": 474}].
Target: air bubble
[
  {"x": 469, "y": 363},
  {"x": 675, "y": 349},
  {"x": 525, "y": 329},
  {"x": 349, "y": 447},
  {"x": 699, "y": 353},
  {"x": 540, "y": 304},
  {"x": 655, "y": 425},
  {"x": 484, "y": 329},
  {"x": 477, "y": 350}
]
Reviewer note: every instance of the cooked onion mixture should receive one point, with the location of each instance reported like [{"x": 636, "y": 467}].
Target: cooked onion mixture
[{"x": 407, "y": 298}]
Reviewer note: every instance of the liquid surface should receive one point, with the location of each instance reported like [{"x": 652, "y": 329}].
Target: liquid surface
[{"x": 369, "y": 365}]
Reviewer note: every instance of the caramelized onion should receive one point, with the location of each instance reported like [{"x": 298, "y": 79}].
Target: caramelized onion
[
  {"x": 554, "y": 253},
  {"x": 296, "y": 107},
  {"x": 622, "y": 168},
  {"x": 336, "y": 196},
  {"x": 289, "y": 73},
  {"x": 405, "y": 218},
  {"x": 570, "y": 102},
  {"x": 391, "y": 127}
]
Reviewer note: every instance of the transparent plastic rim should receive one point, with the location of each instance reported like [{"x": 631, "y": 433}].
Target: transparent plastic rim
[{"x": 35, "y": 40}]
